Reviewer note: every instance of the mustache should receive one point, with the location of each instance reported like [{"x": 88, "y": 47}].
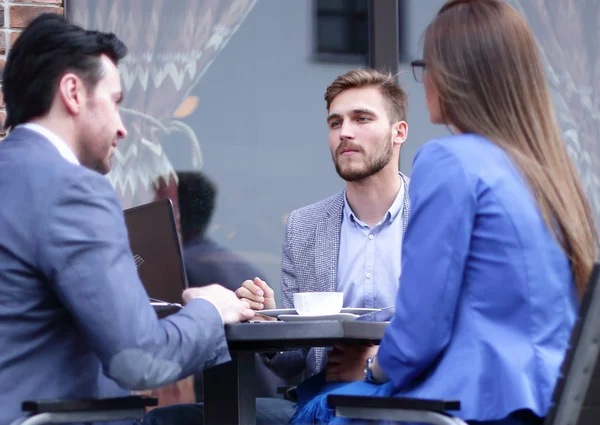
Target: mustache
[{"x": 347, "y": 145}]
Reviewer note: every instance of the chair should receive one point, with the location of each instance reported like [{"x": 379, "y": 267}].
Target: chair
[
  {"x": 576, "y": 397},
  {"x": 85, "y": 410}
]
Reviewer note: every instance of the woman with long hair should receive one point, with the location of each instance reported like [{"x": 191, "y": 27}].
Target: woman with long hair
[{"x": 500, "y": 243}]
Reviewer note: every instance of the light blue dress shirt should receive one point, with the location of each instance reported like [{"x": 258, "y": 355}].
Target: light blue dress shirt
[
  {"x": 369, "y": 261},
  {"x": 487, "y": 299}
]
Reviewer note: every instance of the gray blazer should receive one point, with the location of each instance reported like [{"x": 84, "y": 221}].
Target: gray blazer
[
  {"x": 309, "y": 264},
  {"x": 75, "y": 319}
]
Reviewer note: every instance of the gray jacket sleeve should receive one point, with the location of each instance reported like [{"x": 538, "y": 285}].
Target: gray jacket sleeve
[{"x": 83, "y": 250}]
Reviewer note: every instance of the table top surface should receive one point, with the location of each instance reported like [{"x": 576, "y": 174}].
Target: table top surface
[{"x": 286, "y": 335}]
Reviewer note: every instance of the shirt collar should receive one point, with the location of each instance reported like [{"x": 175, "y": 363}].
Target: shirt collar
[
  {"x": 58, "y": 143},
  {"x": 392, "y": 213}
]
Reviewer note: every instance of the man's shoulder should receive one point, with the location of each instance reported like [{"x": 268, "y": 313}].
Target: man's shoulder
[
  {"x": 323, "y": 208},
  {"x": 25, "y": 148},
  {"x": 73, "y": 178},
  {"x": 43, "y": 170}
]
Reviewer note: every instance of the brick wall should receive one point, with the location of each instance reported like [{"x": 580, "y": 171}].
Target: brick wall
[{"x": 14, "y": 16}]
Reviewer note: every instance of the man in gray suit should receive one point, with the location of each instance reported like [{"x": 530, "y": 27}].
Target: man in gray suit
[
  {"x": 75, "y": 320},
  {"x": 349, "y": 242}
]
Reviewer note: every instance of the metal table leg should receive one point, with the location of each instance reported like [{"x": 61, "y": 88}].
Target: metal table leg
[{"x": 229, "y": 396}]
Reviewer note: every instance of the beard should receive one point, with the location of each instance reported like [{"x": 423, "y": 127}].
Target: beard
[
  {"x": 95, "y": 156},
  {"x": 371, "y": 165},
  {"x": 105, "y": 165}
]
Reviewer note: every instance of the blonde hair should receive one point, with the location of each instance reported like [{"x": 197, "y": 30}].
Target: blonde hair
[
  {"x": 392, "y": 92},
  {"x": 482, "y": 57}
]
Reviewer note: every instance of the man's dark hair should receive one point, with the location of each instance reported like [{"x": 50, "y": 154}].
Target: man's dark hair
[
  {"x": 197, "y": 199},
  {"x": 47, "y": 49}
]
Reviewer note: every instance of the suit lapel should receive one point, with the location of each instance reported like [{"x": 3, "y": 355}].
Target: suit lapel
[
  {"x": 327, "y": 244},
  {"x": 406, "y": 206}
]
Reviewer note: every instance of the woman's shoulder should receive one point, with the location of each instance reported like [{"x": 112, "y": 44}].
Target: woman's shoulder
[
  {"x": 459, "y": 145},
  {"x": 471, "y": 152}
]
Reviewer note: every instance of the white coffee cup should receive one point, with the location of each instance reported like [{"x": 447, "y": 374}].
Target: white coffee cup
[{"x": 318, "y": 303}]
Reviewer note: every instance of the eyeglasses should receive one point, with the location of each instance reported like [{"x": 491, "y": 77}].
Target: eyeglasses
[{"x": 418, "y": 67}]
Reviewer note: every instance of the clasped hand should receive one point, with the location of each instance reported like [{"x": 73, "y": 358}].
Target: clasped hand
[
  {"x": 346, "y": 363},
  {"x": 257, "y": 294}
]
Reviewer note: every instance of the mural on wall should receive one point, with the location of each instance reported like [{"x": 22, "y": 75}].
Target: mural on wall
[
  {"x": 568, "y": 32},
  {"x": 171, "y": 45}
]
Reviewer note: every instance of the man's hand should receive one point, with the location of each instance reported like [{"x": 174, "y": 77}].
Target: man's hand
[
  {"x": 346, "y": 363},
  {"x": 257, "y": 294},
  {"x": 232, "y": 309}
]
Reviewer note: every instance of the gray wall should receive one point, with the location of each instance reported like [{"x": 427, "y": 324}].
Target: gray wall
[
  {"x": 418, "y": 14},
  {"x": 261, "y": 125}
]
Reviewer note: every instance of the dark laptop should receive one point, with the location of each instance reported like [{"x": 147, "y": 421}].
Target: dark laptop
[{"x": 156, "y": 250}]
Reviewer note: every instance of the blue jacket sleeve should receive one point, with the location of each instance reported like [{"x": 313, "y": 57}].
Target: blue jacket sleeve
[
  {"x": 435, "y": 249},
  {"x": 83, "y": 250}
]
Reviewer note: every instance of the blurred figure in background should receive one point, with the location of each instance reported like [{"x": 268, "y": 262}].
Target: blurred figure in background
[{"x": 207, "y": 262}]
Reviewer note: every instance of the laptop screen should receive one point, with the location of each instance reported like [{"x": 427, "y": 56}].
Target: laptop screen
[{"x": 156, "y": 250}]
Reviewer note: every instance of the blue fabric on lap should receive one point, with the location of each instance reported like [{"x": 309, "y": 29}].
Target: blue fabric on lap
[
  {"x": 312, "y": 407},
  {"x": 312, "y": 399}
]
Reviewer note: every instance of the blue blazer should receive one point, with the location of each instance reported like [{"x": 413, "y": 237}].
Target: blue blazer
[
  {"x": 487, "y": 299},
  {"x": 75, "y": 320}
]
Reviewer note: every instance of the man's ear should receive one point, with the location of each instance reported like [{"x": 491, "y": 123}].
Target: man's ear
[
  {"x": 71, "y": 92},
  {"x": 399, "y": 132}
]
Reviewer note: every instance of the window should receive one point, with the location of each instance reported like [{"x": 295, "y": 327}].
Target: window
[{"x": 342, "y": 30}]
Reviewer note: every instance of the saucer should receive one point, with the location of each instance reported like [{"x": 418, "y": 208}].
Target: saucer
[
  {"x": 341, "y": 317},
  {"x": 274, "y": 312}
]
